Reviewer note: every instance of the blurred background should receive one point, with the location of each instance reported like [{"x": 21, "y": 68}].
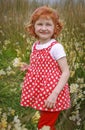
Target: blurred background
[{"x": 15, "y": 48}]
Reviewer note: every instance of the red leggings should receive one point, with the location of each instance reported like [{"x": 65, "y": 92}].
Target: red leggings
[{"x": 48, "y": 119}]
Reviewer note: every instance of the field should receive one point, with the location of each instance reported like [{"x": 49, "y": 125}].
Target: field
[{"x": 15, "y": 48}]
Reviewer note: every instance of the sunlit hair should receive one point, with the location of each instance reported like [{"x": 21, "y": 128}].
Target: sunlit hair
[{"x": 44, "y": 12}]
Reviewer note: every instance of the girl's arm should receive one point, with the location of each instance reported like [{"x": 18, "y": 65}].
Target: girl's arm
[
  {"x": 51, "y": 100},
  {"x": 65, "y": 75}
]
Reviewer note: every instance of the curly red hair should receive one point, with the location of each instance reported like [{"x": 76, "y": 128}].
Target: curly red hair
[{"x": 44, "y": 12}]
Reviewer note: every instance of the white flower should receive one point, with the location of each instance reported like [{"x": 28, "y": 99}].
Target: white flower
[
  {"x": 74, "y": 88},
  {"x": 24, "y": 36},
  {"x": 17, "y": 43},
  {"x": 83, "y": 92},
  {"x": 17, "y": 127},
  {"x": 6, "y": 42},
  {"x": 2, "y": 72},
  {"x": 9, "y": 127},
  {"x": 23, "y": 128},
  {"x": 45, "y": 128},
  {"x": 78, "y": 123},
  {"x": 21, "y": 85},
  {"x": 10, "y": 72},
  {"x": 13, "y": 89},
  {"x": 80, "y": 80},
  {"x": 8, "y": 68},
  {"x": 16, "y": 120},
  {"x": 16, "y": 62},
  {"x": 73, "y": 118},
  {"x": 4, "y": 116}
]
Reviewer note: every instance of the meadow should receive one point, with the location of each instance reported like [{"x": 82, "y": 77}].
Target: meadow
[{"x": 15, "y": 48}]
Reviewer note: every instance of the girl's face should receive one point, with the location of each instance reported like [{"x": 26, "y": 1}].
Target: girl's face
[{"x": 44, "y": 29}]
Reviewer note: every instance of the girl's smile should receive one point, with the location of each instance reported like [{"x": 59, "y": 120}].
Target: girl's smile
[{"x": 44, "y": 29}]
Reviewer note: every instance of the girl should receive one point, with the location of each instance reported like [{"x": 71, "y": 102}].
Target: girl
[{"x": 45, "y": 85}]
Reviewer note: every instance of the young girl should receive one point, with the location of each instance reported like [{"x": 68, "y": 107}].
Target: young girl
[{"x": 45, "y": 85}]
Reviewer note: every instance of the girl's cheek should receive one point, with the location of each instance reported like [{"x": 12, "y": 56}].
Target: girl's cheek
[{"x": 38, "y": 29}]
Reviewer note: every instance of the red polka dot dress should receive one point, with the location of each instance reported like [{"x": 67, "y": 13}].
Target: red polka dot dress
[{"x": 41, "y": 78}]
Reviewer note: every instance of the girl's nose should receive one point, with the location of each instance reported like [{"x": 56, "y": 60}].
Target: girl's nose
[{"x": 43, "y": 27}]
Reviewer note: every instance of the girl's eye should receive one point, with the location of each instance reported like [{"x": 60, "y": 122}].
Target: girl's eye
[
  {"x": 40, "y": 24},
  {"x": 48, "y": 24}
]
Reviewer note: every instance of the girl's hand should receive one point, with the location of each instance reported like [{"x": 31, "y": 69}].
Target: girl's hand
[
  {"x": 51, "y": 100},
  {"x": 24, "y": 66}
]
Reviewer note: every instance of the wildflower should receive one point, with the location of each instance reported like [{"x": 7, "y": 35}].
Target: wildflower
[
  {"x": 46, "y": 128},
  {"x": 2, "y": 72},
  {"x": 72, "y": 73},
  {"x": 13, "y": 89},
  {"x": 73, "y": 88},
  {"x": 6, "y": 42},
  {"x": 17, "y": 123},
  {"x": 10, "y": 72},
  {"x": 16, "y": 120},
  {"x": 9, "y": 127},
  {"x": 3, "y": 123},
  {"x": 8, "y": 68},
  {"x": 80, "y": 80},
  {"x": 83, "y": 92},
  {"x": 36, "y": 117},
  {"x": 17, "y": 43},
  {"x": 78, "y": 123},
  {"x": 18, "y": 52},
  {"x": 28, "y": 41},
  {"x": 4, "y": 47},
  {"x": 73, "y": 118},
  {"x": 17, "y": 62},
  {"x": 17, "y": 127},
  {"x": 2, "y": 32},
  {"x": 21, "y": 85},
  {"x": 23, "y": 128},
  {"x": 24, "y": 36},
  {"x": 12, "y": 112},
  {"x": 4, "y": 116}
]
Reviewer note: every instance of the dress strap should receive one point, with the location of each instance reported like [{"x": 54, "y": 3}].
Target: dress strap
[
  {"x": 34, "y": 45},
  {"x": 53, "y": 43}
]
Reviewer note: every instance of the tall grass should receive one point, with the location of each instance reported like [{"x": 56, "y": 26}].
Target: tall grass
[{"x": 15, "y": 45}]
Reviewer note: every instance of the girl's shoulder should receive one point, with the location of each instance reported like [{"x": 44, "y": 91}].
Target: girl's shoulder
[
  {"x": 57, "y": 51},
  {"x": 57, "y": 45}
]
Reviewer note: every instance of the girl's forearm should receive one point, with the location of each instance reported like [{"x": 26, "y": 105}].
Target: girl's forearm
[{"x": 63, "y": 80}]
